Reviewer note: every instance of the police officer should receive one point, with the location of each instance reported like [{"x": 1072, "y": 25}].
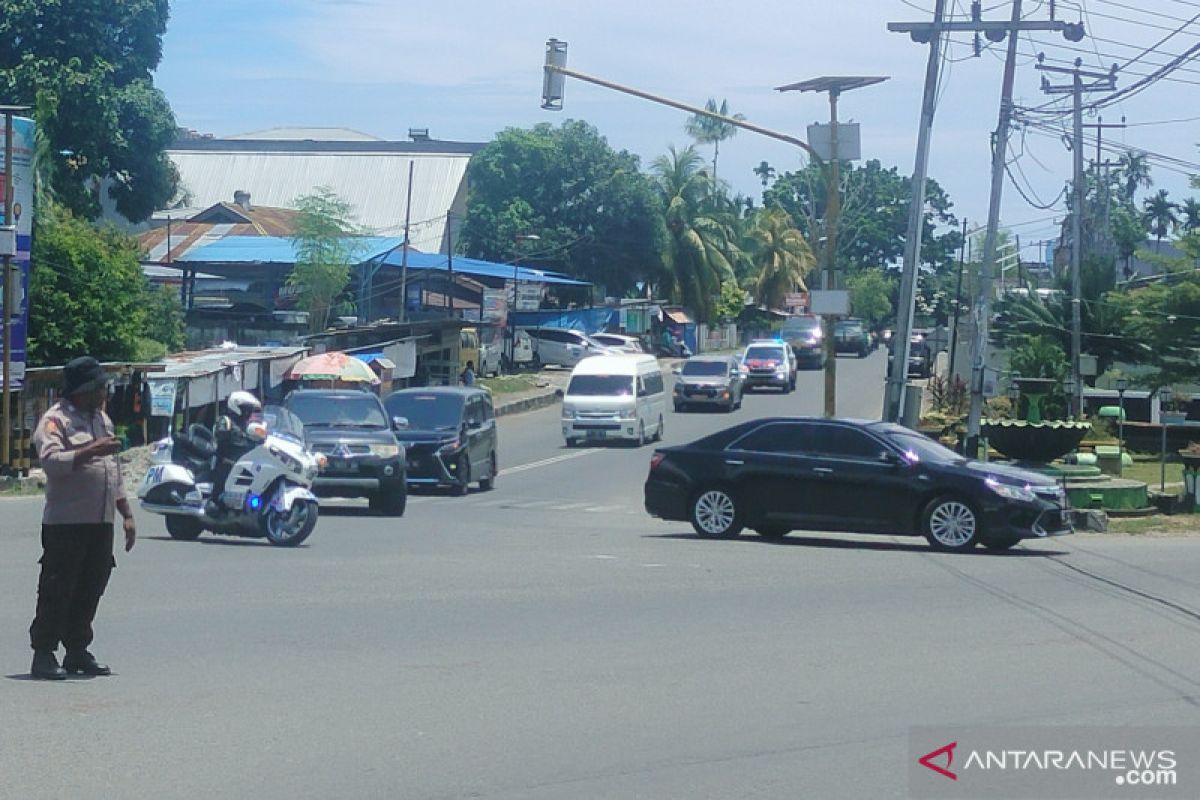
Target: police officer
[
  {"x": 77, "y": 450},
  {"x": 233, "y": 441}
]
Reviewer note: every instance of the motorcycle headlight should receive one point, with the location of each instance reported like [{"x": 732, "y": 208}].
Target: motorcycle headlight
[
  {"x": 1011, "y": 492},
  {"x": 385, "y": 450}
]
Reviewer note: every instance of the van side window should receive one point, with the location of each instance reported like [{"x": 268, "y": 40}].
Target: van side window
[
  {"x": 653, "y": 384},
  {"x": 641, "y": 388}
]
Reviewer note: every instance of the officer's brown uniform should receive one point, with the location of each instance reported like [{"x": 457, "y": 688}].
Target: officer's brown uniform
[{"x": 77, "y": 527}]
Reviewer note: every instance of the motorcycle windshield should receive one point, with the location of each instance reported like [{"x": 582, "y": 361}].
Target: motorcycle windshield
[{"x": 283, "y": 423}]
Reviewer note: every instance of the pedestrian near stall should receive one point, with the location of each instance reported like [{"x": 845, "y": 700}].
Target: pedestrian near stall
[{"x": 78, "y": 451}]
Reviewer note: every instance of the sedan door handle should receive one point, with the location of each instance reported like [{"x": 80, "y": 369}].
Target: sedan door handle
[
  {"x": 733, "y": 462},
  {"x": 823, "y": 470}
]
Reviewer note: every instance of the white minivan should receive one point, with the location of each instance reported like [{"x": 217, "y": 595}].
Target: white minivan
[{"x": 614, "y": 397}]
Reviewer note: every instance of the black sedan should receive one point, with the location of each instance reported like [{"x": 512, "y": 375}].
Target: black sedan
[{"x": 784, "y": 474}]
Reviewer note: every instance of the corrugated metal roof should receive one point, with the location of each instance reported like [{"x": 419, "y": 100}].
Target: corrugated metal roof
[
  {"x": 188, "y": 235},
  {"x": 372, "y": 176},
  {"x": 308, "y": 134},
  {"x": 206, "y": 362}
]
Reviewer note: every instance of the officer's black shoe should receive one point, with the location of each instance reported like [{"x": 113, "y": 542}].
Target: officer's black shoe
[
  {"x": 45, "y": 666},
  {"x": 84, "y": 663},
  {"x": 213, "y": 509}
]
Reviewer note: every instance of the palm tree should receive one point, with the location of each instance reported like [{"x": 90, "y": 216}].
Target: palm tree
[
  {"x": 1134, "y": 168},
  {"x": 701, "y": 246},
  {"x": 781, "y": 256},
  {"x": 706, "y": 130},
  {"x": 764, "y": 171},
  {"x": 1160, "y": 216},
  {"x": 1190, "y": 209}
]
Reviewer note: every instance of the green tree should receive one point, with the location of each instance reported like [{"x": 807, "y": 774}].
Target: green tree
[
  {"x": 874, "y": 219},
  {"x": 326, "y": 249},
  {"x": 164, "y": 318},
  {"x": 781, "y": 257},
  {"x": 86, "y": 291},
  {"x": 707, "y": 130},
  {"x": 86, "y": 67},
  {"x": 598, "y": 217},
  {"x": 1160, "y": 216},
  {"x": 1190, "y": 215},
  {"x": 871, "y": 296},
  {"x": 732, "y": 303},
  {"x": 1128, "y": 233},
  {"x": 765, "y": 172},
  {"x": 1134, "y": 173},
  {"x": 1163, "y": 317},
  {"x": 702, "y": 248}
]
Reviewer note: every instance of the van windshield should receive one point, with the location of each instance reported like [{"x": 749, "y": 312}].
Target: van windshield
[{"x": 606, "y": 385}]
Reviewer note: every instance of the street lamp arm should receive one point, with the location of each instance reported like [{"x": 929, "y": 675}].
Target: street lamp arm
[{"x": 666, "y": 101}]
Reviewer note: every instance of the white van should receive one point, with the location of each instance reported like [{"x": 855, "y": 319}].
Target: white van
[{"x": 614, "y": 397}]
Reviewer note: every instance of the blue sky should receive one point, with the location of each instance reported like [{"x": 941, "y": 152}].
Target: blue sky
[{"x": 468, "y": 69}]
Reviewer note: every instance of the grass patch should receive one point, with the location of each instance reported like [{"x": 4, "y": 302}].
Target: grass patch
[
  {"x": 508, "y": 384},
  {"x": 18, "y": 490},
  {"x": 1159, "y": 524},
  {"x": 1146, "y": 469}
]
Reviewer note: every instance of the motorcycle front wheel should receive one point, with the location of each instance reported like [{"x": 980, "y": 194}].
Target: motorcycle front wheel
[{"x": 289, "y": 528}]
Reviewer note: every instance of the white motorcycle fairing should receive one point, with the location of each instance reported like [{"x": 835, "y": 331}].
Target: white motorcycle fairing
[{"x": 288, "y": 494}]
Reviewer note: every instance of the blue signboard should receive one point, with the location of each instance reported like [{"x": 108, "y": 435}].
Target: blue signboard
[{"x": 22, "y": 184}]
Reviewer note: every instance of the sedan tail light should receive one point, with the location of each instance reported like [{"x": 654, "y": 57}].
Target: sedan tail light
[{"x": 656, "y": 459}]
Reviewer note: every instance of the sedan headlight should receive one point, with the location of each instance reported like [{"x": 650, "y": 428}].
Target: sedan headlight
[
  {"x": 1010, "y": 491},
  {"x": 385, "y": 450}
]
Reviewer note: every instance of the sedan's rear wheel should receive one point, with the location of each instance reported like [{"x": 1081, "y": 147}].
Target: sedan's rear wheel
[
  {"x": 951, "y": 524},
  {"x": 715, "y": 514}
]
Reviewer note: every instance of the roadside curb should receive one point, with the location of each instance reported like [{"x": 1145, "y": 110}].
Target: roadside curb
[{"x": 546, "y": 398}]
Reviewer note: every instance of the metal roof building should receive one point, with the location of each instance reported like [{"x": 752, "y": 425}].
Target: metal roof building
[{"x": 275, "y": 168}]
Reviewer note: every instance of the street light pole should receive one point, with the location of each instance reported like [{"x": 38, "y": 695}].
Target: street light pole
[
  {"x": 1122, "y": 385},
  {"x": 1164, "y": 397}
]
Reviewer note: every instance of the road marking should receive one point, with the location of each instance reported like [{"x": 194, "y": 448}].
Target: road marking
[
  {"x": 604, "y": 558},
  {"x": 546, "y": 462}
]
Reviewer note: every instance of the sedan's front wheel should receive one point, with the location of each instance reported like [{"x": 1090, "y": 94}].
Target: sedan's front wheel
[
  {"x": 715, "y": 514},
  {"x": 950, "y": 524}
]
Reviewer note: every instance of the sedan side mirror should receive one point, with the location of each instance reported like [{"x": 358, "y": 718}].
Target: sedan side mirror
[
  {"x": 399, "y": 423},
  {"x": 888, "y": 457}
]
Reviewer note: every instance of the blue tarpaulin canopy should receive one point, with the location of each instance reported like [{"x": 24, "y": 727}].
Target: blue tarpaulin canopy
[{"x": 377, "y": 250}]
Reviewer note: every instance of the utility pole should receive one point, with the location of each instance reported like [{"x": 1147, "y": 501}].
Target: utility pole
[
  {"x": 932, "y": 33},
  {"x": 1101, "y": 238},
  {"x": 1099, "y": 81},
  {"x": 404, "y": 254},
  {"x": 897, "y": 379},
  {"x": 983, "y": 302},
  {"x": 962, "y": 261}
]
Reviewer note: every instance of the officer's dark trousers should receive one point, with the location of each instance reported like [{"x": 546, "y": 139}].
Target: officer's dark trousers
[{"x": 76, "y": 563}]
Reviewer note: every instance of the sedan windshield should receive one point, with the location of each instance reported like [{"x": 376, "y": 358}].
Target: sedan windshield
[
  {"x": 601, "y": 385},
  {"x": 705, "y": 368},
  {"x": 427, "y": 411},
  {"x": 318, "y": 411},
  {"x": 921, "y": 448}
]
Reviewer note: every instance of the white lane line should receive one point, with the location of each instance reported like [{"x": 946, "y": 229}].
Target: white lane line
[
  {"x": 604, "y": 558},
  {"x": 545, "y": 462}
]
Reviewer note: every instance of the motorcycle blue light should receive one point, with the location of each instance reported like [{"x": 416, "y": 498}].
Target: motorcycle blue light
[{"x": 255, "y": 502}]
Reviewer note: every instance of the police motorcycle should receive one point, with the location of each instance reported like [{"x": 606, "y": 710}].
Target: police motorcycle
[{"x": 268, "y": 493}]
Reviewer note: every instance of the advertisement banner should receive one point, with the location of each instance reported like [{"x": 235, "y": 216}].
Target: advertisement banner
[
  {"x": 22, "y": 213},
  {"x": 495, "y": 306},
  {"x": 162, "y": 397}
]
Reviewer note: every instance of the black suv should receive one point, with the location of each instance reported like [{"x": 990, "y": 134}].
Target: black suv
[
  {"x": 449, "y": 433},
  {"x": 784, "y": 474},
  {"x": 352, "y": 430}
]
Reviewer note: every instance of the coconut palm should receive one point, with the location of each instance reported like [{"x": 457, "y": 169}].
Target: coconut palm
[
  {"x": 1190, "y": 211},
  {"x": 1160, "y": 216},
  {"x": 1134, "y": 168},
  {"x": 702, "y": 246},
  {"x": 764, "y": 171},
  {"x": 706, "y": 130},
  {"x": 781, "y": 256}
]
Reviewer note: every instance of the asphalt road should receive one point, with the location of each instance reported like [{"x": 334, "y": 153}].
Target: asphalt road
[{"x": 549, "y": 640}]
